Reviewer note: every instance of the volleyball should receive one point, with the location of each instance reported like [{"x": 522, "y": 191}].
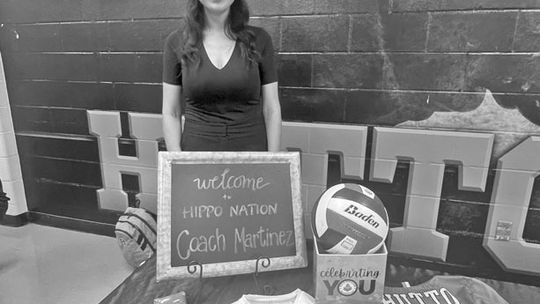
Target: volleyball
[{"x": 349, "y": 219}]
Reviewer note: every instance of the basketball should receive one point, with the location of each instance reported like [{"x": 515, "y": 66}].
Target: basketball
[{"x": 349, "y": 219}]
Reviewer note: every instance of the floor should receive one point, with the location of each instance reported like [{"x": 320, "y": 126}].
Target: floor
[
  {"x": 41, "y": 264},
  {"x": 46, "y": 265}
]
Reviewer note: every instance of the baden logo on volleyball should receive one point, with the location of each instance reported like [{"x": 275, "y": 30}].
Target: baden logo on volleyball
[
  {"x": 368, "y": 218},
  {"x": 350, "y": 219}
]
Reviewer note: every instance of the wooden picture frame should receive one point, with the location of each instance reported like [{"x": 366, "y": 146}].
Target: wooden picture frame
[{"x": 268, "y": 171}]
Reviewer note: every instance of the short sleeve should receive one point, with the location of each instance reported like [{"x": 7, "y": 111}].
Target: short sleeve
[
  {"x": 172, "y": 68},
  {"x": 267, "y": 67}
]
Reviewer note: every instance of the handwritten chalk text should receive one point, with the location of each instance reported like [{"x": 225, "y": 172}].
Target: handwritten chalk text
[
  {"x": 224, "y": 181},
  {"x": 262, "y": 238},
  {"x": 253, "y": 209},
  {"x": 215, "y": 242}
]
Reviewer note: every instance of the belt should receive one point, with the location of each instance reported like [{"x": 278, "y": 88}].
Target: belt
[{"x": 222, "y": 129}]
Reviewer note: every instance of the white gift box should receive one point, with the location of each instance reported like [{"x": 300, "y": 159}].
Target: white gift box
[{"x": 349, "y": 278}]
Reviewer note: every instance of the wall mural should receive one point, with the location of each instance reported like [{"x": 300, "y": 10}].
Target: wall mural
[
  {"x": 427, "y": 149},
  {"x": 508, "y": 124}
]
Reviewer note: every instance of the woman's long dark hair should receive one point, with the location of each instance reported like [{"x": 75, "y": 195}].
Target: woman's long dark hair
[{"x": 235, "y": 28}]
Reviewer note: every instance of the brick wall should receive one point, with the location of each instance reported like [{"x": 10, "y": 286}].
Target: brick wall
[
  {"x": 63, "y": 58},
  {"x": 367, "y": 62}
]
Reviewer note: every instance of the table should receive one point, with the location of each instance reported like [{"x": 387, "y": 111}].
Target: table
[{"x": 141, "y": 286}]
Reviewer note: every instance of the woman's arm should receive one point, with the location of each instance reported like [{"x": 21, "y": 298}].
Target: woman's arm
[
  {"x": 172, "y": 122},
  {"x": 272, "y": 116}
]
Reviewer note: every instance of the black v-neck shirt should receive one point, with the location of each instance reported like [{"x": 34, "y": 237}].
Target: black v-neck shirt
[{"x": 230, "y": 95}]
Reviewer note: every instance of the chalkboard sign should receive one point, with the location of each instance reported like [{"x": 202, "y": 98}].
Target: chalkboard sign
[{"x": 225, "y": 211}]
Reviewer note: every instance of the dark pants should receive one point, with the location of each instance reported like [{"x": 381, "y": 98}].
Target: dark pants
[{"x": 199, "y": 136}]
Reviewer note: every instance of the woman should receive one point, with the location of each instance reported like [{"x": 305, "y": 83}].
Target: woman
[{"x": 224, "y": 71}]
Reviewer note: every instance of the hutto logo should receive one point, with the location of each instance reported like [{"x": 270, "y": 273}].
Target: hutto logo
[
  {"x": 518, "y": 167},
  {"x": 364, "y": 217},
  {"x": 349, "y": 287}
]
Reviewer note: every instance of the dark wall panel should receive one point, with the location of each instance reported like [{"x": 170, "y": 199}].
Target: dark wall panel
[
  {"x": 444, "y": 72},
  {"x": 479, "y": 32},
  {"x": 119, "y": 67},
  {"x": 348, "y": 71},
  {"x": 281, "y": 7},
  {"x": 306, "y": 105},
  {"x": 29, "y": 11},
  {"x": 346, "y": 6},
  {"x": 35, "y": 38},
  {"x": 50, "y": 120},
  {"x": 67, "y": 200},
  {"x": 31, "y": 119},
  {"x": 295, "y": 70},
  {"x": 315, "y": 34},
  {"x": 48, "y": 66},
  {"x": 81, "y": 37},
  {"x": 147, "y": 35},
  {"x": 392, "y": 32},
  {"x": 308, "y": 7},
  {"x": 527, "y": 35},
  {"x": 66, "y": 147},
  {"x": 527, "y": 104},
  {"x": 132, "y": 9},
  {"x": 392, "y": 108},
  {"x": 90, "y": 36},
  {"x": 116, "y": 67},
  {"x": 467, "y": 256},
  {"x": 504, "y": 73},
  {"x": 63, "y": 94},
  {"x": 138, "y": 97},
  {"x": 63, "y": 171},
  {"x": 428, "y": 5}
]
